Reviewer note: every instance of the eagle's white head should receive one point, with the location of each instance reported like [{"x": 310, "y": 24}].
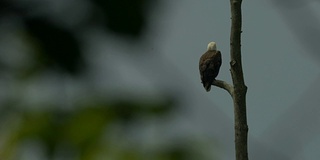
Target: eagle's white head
[{"x": 212, "y": 46}]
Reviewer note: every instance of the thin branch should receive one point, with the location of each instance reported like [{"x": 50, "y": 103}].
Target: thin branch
[{"x": 224, "y": 85}]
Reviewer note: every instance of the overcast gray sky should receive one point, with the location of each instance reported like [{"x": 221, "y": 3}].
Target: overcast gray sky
[{"x": 280, "y": 72}]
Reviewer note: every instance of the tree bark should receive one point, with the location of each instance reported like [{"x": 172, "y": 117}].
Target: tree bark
[{"x": 240, "y": 89}]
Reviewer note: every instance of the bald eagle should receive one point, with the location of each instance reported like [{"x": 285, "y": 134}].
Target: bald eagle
[{"x": 209, "y": 65}]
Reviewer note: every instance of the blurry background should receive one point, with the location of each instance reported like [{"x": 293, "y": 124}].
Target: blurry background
[{"x": 110, "y": 79}]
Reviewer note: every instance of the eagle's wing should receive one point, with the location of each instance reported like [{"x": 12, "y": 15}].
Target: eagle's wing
[
  {"x": 206, "y": 63},
  {"x": 209, "y": 67},
  {"x": 210, "y": 63},
  {"x": 217, "y": 63}
]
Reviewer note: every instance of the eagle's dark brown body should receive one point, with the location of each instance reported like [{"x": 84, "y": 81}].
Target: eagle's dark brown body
[{"x": 209, "y": 67}]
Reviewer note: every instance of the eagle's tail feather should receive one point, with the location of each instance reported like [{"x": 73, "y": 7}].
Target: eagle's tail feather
[{"x": 207, "y": 86}]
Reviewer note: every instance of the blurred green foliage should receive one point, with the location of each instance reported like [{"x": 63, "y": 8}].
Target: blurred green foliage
[
  {"x": 57, "y": 47},
  {"x": 125, "y": 17},
  {"x": 82, "y": 129},
  {"x": 87, "y": 130}
]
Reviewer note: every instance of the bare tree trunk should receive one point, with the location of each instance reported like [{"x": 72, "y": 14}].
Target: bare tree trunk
[{"x": 240, "y": 89}]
